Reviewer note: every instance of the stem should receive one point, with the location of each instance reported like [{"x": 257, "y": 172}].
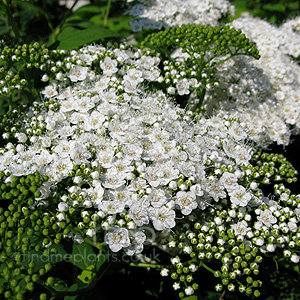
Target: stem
[
  {"x": 145, "y": 265},
  {"x": 107, "y": 12},
  {"x": 223, "y": 294},
  {"x": 11, "y": 19},
  {"x": 207, "y": 267},
  {"x": 47, "y": 16},
  {"x": 58, "y": 30}
]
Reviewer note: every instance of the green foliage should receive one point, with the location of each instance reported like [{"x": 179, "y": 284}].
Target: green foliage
[
  {"x": 274, "y": 11},
  {"x": 89, "y": 24},
  {"x": 72, "y": 38}
]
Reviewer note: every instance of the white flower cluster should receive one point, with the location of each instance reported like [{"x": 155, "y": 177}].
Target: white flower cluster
[
  {"x": 264, "y": 93},
  {"x": 162, "y": 14},
  {"x": 267, "y": 94},
  {"x": 292, "y": 25},
  {"x": 133, "y": 157}
]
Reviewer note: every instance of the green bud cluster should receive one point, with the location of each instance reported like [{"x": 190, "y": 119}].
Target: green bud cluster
[
  {"x": 9, "y": 125},
  {"x": 212, "y": 244},
  {"x": 26, "y": 226},
  {"x": 271, "y": 167},
  {"x": 204, "y": 40},
  {"x": 27, "y": 56},
  {"x": 191, "y": 53}
]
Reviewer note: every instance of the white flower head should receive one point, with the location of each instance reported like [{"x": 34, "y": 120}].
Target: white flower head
[
  {"x": 239, "y": 196},
  {"x": 186, "y": 202},
  {"x": 117, "y": 238},
  {"x": 240, "y": 228},
  {"x": 137, "y": 239},
  {"x": 267, "y": 218},
  {"x": 162, "y": 217},
  {"x": 109, "y": 66},
  {"x": 78, "y": 73}
]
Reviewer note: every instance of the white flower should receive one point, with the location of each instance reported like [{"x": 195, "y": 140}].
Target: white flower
[
  {"x": 137, "y": 240},
  {"x": 240, "y": 196},
  {"x": 292, "y": 226},
  {"x": 60, "y": 216},
  {"x": 186, "y": 202},
  {"x": 83, "y": 104},
  {"x": 80, "y": 154},
  {"x": 270, "y": 248},
  {"x": 162, "y": 217},
  {"x": 134, "y": 77},
  {"x": 176, "y": 286},
  {"x": 106, "y": 158},
  {"x": 153, "y": 176},
  {"x": 189, "y": 291},
  {"x": 49, "y": 91},
  {"x": 240, "y": 228},
  {"x": 61, "y": 167},
  {"x": 267, "y": 218},
  {"x": 112, "y": 207},
  {"x": 94, "y": 121},
  {"x": 183, "y": 87},
  {"x": 139, "y": 214},
  {"x": 157, "y": 198},
  {"x": 63, "y": 148},
  {"x": 78, "y": 73},
  {"x": 91, "y": 232},
  {"x": 113, "y": 180},
  {"x": 62, "y": 206},
  {"x": 229, "y": 181},
  {"x": 117, "y": 238},
  {"x": 109, "y": 66},
  {"x": 295, "y": 258},
  {"x": 236, "y": 131},
  {"x": 164, "y": 272}
]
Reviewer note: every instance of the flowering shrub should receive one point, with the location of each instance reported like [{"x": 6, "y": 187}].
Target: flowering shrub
[
  {"x": 162, "y": 14},
  {"x": 159, "y": 146}
]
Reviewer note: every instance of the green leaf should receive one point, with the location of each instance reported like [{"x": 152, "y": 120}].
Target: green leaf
[
  {"x": 59, "y": 287},
  {"x": 117, "y": 24},
  {"x": 83, "y": 256},
  {"x": 28, "y": 13},
  {"x": 194, "y": 297},
  {"x": 72, "y": 38},
  {"x": 278, "y": 7},
  {"x": 87, "y": 275},
  {"x": 90, "y": 10},
  {"x": 293, "y": 5},
  {"x": 41, "y": 260}
]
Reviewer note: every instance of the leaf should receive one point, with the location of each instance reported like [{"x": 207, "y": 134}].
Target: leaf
[
  {"x": 41, "y": 260},
  {"x": 87, "y": 275},
  {"x": 194, "y": 297},
  {"x": 72, "y": 38},
  {"x": 293, "y": 5},
  {"x": 117, "y": 24},
  {"x": 83, "y": 255},
  {"x": 278, "y": 7},
  {"x": 90, "y": 10},
  {"x": 28, "y": 13},
  {"x": 59, "y": 287}
]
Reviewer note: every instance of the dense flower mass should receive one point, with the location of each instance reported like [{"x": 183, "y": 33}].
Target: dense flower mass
[
  {"x": 267, "y": 95},
  {"x": 108, "y": 156},
  {"x": 143, "y": 158},
  {"x": 162, "y": 14},
  {"x": 264, "y": 93}
]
